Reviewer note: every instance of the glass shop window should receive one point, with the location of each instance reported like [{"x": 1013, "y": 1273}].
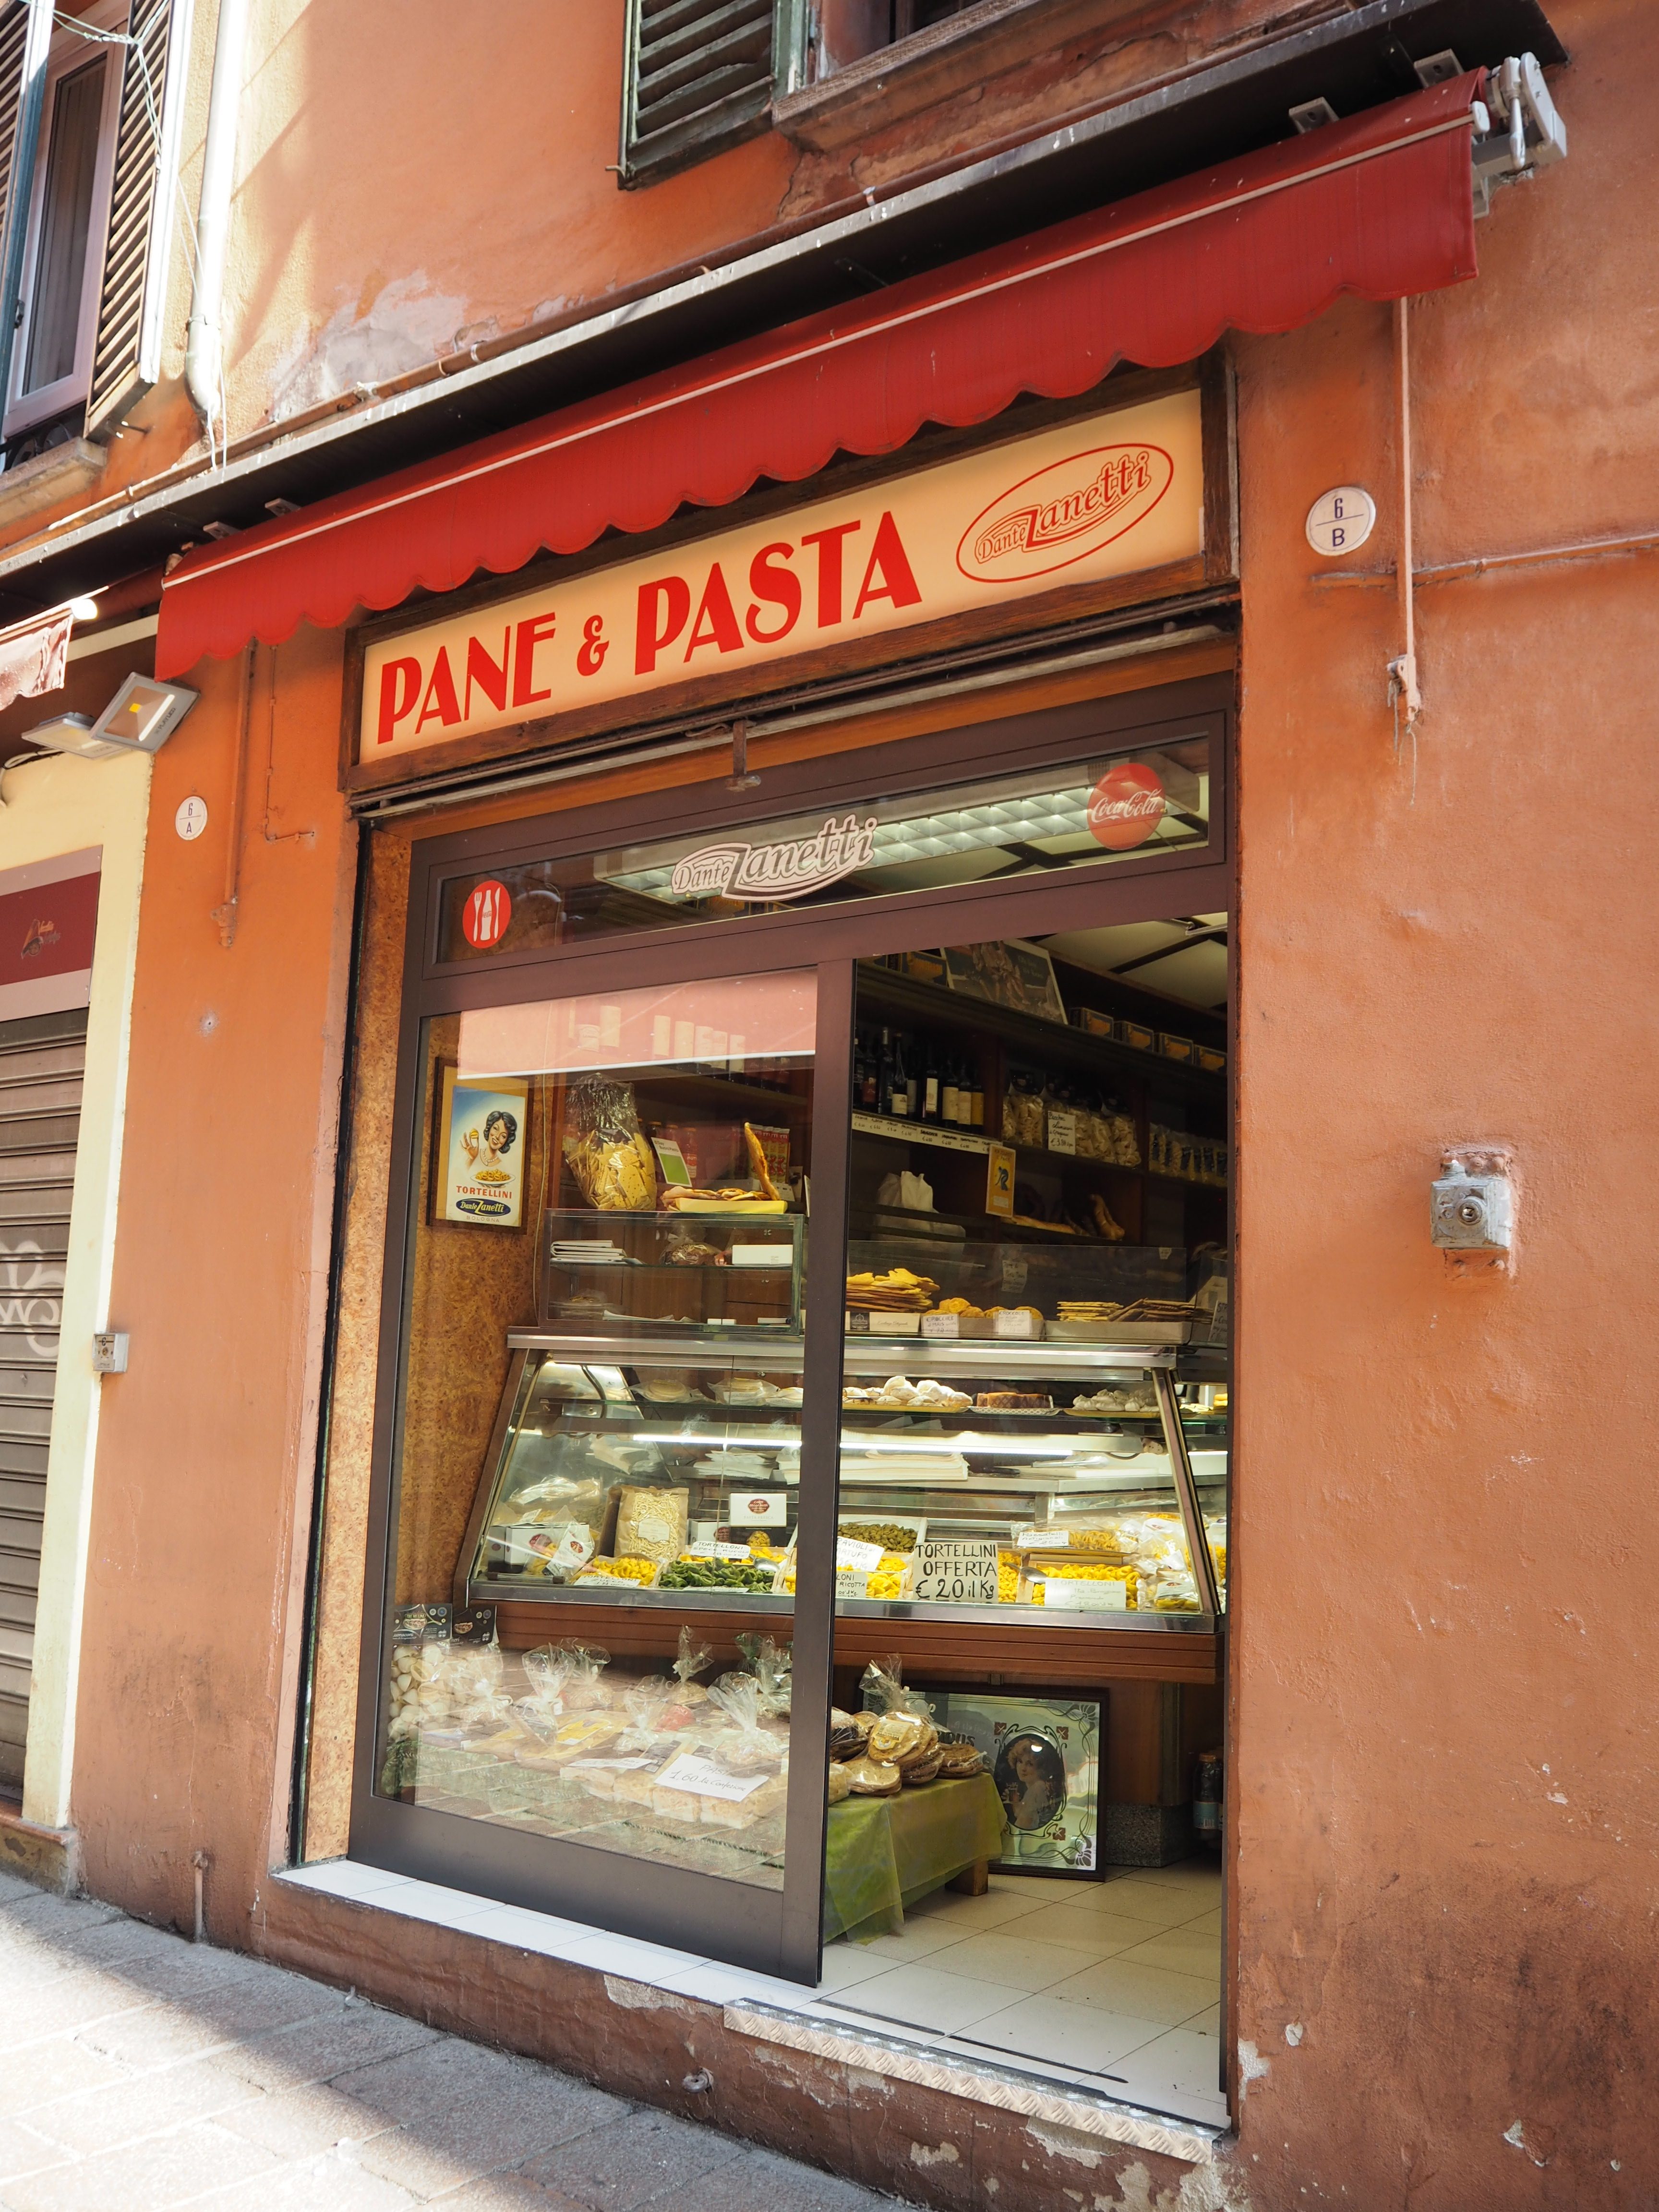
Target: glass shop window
[{"x": 598, "y": 1461}]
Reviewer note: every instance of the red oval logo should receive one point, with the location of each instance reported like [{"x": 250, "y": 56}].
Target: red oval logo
[
  {"x": 484, "y": 917},
  {"x": 1126, "y": 806},
  {"x": 1064, "y": 513}
]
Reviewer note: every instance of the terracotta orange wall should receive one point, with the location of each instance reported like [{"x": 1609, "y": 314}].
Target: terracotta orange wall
[
  {"x": 207, "y": 1443},
  {"x": 1444, "y": 1742},
  {"x": 1445, "y": 1746},
  {"x": 412, "y": 182}
]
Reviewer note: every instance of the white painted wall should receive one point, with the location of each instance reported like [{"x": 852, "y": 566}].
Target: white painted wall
[{"x": 59, "y": 804}]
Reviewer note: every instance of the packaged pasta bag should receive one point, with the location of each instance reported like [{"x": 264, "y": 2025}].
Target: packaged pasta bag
[
  {"x": 614, "y": 1166},
  {"x": 772, "y": 1670},
  {"x": 651, "y": 1522}
]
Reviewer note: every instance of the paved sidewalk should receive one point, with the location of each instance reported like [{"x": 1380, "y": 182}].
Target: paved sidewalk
[{"x": 137, "y": 2070}]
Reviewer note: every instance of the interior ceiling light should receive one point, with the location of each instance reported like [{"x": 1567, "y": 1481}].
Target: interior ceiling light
[
  {"x": 140, "y": 719},
  {"x": 1059, "y": 817}
]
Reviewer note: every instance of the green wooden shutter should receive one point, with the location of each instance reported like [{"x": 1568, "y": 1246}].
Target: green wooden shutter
[
  {"x": 127, "y": 354},
  {"x": 698, "y": 76}
]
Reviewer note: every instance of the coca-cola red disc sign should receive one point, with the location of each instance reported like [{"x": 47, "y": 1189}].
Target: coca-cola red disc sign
[
  {"x": 1126, "y": 806},
  {"x": 488, "y": 910}
]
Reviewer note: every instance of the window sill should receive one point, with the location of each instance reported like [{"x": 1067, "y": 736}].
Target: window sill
[
  {"x": 51, "y": 479},
  {"x": 934, "y": 65}
]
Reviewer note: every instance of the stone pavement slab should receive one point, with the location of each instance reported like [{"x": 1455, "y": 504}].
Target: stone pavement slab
[{"x": 143, "y": 2073}]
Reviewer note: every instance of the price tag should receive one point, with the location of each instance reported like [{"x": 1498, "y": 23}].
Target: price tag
[
  {"x": 703, "y": 1778},
  {"x": 1068, "y": 1594},
  {"x": 1047, "y": 1540},
  {"x": 862, "y": 1559},
  {"x": 956, "y": 1570},
  {"x": 709, "y": 1548},
  {"x": 1062, "y": 1130},
  {"x": 850, "y": 1584}
]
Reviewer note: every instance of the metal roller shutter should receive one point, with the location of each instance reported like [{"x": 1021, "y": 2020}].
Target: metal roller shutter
[{"x": 41, "y": 1065}]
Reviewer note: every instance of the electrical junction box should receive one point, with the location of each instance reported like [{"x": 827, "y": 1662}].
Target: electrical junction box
[{"x": 1472, "y": 1212}]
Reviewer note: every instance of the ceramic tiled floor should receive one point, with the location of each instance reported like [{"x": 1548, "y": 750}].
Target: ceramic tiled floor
[{"x": 1119, "y": 1980}]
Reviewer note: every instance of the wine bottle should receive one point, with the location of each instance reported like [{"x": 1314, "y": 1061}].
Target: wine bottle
[
  {"x": 930, "y": 1110},
  {"x": 950, "y": 1090},
  {"x": 977, "y": 1103},
  {"x": 898, "y": 1092}
]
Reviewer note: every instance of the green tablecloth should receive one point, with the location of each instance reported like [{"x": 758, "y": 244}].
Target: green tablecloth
[{"x": 885, "y": 1852}]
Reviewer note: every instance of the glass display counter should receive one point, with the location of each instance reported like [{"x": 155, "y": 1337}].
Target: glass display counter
[{"x": 1050, "y": 1481}]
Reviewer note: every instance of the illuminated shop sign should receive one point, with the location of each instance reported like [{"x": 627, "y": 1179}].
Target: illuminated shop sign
[{"x": 1102, "y": 497}]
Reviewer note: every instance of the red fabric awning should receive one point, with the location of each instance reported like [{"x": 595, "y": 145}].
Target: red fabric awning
[{"x": 1379, "y": 207}]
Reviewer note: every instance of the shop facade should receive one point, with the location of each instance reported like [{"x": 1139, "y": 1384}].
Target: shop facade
[{"x": 996, "y": 897}]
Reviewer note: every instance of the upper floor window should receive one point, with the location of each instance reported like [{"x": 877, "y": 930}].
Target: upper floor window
[
  {"x": 843, "y": 31},
  {"x": 67, "y": 217},
  {"x": 87, "y": 223},
  {"x": 700, "y": 76}
]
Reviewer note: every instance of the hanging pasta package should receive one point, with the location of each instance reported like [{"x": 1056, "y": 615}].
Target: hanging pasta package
[{"x": 613, "y": 1164}]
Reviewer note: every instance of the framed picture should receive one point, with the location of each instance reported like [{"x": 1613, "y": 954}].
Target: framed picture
[
  {"x": 484, "y": 1140},
  {"x": 1043, "y": 1749},
  {"x": 1009, "y": 972}
]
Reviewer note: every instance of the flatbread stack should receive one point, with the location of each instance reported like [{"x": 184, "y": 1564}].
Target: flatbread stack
[{"x": 896, "y": 1291}]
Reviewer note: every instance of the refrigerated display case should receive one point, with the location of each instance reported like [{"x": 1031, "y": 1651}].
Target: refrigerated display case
[{"x": 658, "y": 1459}]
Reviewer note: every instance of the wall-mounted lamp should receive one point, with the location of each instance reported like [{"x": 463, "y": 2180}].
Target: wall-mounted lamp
[{"x": 140, "y": 719}]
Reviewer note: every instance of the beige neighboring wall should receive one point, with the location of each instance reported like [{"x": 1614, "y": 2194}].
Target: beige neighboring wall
[{"x": 60, "y": 804}]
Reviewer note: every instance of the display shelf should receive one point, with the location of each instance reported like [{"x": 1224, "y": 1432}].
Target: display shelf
[
  {"x": 863, "y": 1355},
  {"x": 992, "y": 1357},
  {"x": 674, "y": 1267},
  {"x": 930, "y": 1005},
  {"x": 705, "y": 1088},
  {"x": 943, "y": 1136}
]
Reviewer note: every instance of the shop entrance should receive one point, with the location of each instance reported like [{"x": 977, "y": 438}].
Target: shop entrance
[
  {"x": 1034, "y": 1408},
  {"x": 802, "y": 1437}
]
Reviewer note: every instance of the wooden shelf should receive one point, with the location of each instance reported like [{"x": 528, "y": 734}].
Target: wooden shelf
[{"x": 1055, "y": 1042}]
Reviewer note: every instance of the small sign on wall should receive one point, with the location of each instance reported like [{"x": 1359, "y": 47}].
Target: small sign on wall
[
  {"x": 1000, "y": 1181},
  {"x": 1341, "y": 521},
  {"x": 483, "y": 1137}
]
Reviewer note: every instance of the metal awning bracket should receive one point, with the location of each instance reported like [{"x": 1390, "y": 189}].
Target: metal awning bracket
[{"x": 1518, "y": 129}]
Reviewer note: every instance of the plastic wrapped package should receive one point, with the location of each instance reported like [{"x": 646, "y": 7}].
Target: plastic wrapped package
[
  {"x": 613, "y": 1164},
  {"x": 694, "y": 1658},
  {"x": 1023, "y": 1118},
  {"x": 883, "y": 1685},
  {"x": 651, "y": 1523},
  {"x": 748, "y": 1745},
  {"x": 772, "y": 1667},
  {"x": 563, "y": 1679}
]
